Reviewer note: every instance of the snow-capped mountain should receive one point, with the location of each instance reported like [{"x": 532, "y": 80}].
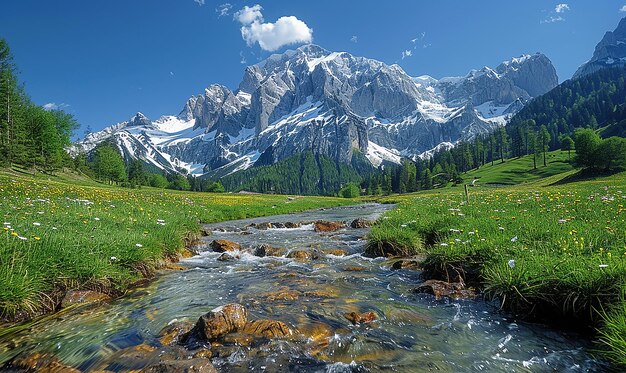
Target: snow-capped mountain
[
  {"x": 330, "y": 103},
  {"x": 610, "y": 52}
]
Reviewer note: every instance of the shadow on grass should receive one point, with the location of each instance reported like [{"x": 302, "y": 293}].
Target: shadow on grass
[{"x": 586, "y": 174}]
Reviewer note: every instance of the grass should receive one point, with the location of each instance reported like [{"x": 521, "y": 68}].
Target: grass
[
  {"x": 520, "y": 170},
  {"x": 555, "y": 252},
  {"x": 68, "y": 232}
]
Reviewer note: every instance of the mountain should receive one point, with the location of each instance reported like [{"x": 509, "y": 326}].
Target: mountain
[
  {"x": 610, "y": 52},
  {"x": 329, "y": 103}
]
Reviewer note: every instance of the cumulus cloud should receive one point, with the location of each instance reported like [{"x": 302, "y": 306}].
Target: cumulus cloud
[
  {"x": 354, "y": 39},
  {"x": 271, "y": 36},
  {"x": 50, "y": 106},
  {"x": 556, "y": 15},
  {"x": 407, "y": 53},
  {"x": 223, "y": 10},
  {"x": 561, "y": 8},
  {"x": 249, "y": 14},
  {"x": 623, "y": 9},
  {"x": 199, "y": 2}
]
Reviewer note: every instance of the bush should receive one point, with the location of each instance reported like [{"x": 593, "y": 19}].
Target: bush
[{"x": 350, "y": 191}]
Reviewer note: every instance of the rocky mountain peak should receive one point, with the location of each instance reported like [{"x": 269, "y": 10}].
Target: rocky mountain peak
[{"x": 609, "y": 52}]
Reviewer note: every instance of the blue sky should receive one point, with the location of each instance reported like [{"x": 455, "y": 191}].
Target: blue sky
[{"x": 105, "y": 60}]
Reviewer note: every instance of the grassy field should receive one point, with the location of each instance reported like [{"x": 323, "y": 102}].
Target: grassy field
[
  {"x": 69, "y": 232},
  {"x": 548, "y": 252},
  {"x": 520, "y": 170}
]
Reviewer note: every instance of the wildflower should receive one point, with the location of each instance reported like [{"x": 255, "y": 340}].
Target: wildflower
[
  {"x": 511, "y": 263},
  {"x": 113, "y": 258},
  {"x": 471, "y": 233},
  {"x": 37, "y": 238},
  {"x": 514, "y": 239},
  {"x": 403, "y": 225},
  {"x": 22, "y": 238},
  {"x": 443, "y": 244},
  {"x": 562, "y": 221},
  {"x": 96, "y": 219},
  {"x": 501, "y": 228},
  {"x": 603, "y": 265},
  {"x": 36, "y": 224},
  {"x": 138, "y": 245}
]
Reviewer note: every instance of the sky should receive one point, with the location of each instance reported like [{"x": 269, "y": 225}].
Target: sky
[{"x": 103, "y": 61}]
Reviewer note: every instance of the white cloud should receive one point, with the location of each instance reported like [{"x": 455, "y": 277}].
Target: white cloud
[
  {"x": 243, "y": 60},
  {"x": 199, "y": 2},
  {"x": 223, "y": 10},
  {"x": 623, "y": 9},
  {"x": 552, "y": 19},
  {"x": 354, "y": 39},
  {"x": 407, "y": 53},
  {"x": 249, "y": 14},
  {"x": 561, "y": 8},
  {"x": 271, "y": 36},
  {"x": 54, "y": 106}
]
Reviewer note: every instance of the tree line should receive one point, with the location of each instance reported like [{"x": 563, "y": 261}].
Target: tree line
[{"x": 30, "y": 135}]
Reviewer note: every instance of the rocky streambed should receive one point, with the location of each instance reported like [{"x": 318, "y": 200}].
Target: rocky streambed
[{"x": 293, "y": 293}]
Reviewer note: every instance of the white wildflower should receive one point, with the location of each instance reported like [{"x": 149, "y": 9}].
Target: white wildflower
[
  {"x": 138, "y": 245},
  {"x": 113, "y": 258},
  {"x": 36, "y": 224},
  {"x": 511, "y": 263},
  {"x": 562, "y": 221},
  {"x": 96, "y": 219},
  {"x": 603, "y": 265},
  {"x": 514, "y": 239},
  {"x": 22, "y": 238}
]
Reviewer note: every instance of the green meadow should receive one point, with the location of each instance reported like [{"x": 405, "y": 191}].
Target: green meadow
[
  {"x": 548, "y": 250},
  {"x": 69, "y": 232}
]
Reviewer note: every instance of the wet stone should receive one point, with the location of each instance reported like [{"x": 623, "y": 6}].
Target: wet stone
[
  {"x": 360, "y": 223},
  {"x": 174, "y": 332},
  {"x": 281, "y": 295},
  {"x": 360, "y": 318},
  {"x": 407, "y": 264},
  {"x": 83, "y": 297},
  {"x": 268, "y": 329},
  {"x": 225, "y": 257},
  {"x": 221, "y": 246},
  {"x": 328, "y": 226},
  {"x": 45, "y": 363},
  {"x": 442, "y": 289},
  {"x": 299, "y": 255},
  {"x": 268, "y": 250},
  {"x": 336, "y": 252},
  {"x": 221, "y": 321},
  {"x": 195, "y": 365}
]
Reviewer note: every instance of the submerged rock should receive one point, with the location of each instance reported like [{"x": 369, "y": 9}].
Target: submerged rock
[
  {"x": 221, "y": 246},
  {"x": 360, "y": 223},
  {"x": 225, "y": 257},
  {"x": 282, "y": 294},
  {"x": 406, "y": 264},
  {"x": 299, "y": 255},
  {"x": 442, "y": 289},
  {"x": 38, "y": 362},
  {"x": 83, "y": 297},
  {"x": 221, "y": 321},
  {"x": 291, "y": 225},
  {"x": 196, "y": 365},
  {"x": 267, "y": 329},
  {"x": 360, "y": 318},
  {"x": 328, "y": 226},
  {"x": 336, "y": 252}
]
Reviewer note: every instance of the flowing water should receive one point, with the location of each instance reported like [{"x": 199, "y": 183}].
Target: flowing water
[{"x": 414, "y": 332}]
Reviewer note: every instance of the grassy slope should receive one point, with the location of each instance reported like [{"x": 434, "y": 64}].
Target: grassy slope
[
  {"x": 70, "y": 232},
  {"x": 550, "y": 251},
  {"x": 520, "y": 170}
]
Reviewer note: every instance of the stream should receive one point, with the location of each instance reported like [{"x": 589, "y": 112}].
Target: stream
[{"x": 413, "y": 332}]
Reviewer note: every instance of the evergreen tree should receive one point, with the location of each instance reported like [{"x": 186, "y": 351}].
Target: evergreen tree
[{"x": 544, "y": 141}]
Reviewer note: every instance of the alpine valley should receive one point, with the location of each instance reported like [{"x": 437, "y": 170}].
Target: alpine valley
[{"x": 331, "y": 104}]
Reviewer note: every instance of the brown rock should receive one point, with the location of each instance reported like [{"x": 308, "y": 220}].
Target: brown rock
[
  {"x": 182, "y": 366},
  {"x": 360, "y": 223},
  {"x": 445, "y": 289},
  {"x": 238, "y": 339},
  {"x": 203, "y": 353},
  {"x": 268, "y": 250},
  {"x": 173, "y": 332},
  {"x": 291, "y": 225},
  {"x": 83, "y": 297},
  {"x": 406, "y": 264},
  {"x": 328, "y": 226},
  {"x": 268, "y": 329},
  {"x": 299, "y": 255},
  {"x": 318, "y": 294},
  {"x": 360, "y": 318},
  {"x": 187, "y": 253},
  {"x": 44, "y": 363},
  {"x": 221, "y": 246},
  {"x": 222, "y": 320},
  {"x": 336, "y": 252}
]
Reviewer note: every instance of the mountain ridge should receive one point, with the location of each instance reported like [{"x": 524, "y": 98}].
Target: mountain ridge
[{"x": 329, "y": 103}]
